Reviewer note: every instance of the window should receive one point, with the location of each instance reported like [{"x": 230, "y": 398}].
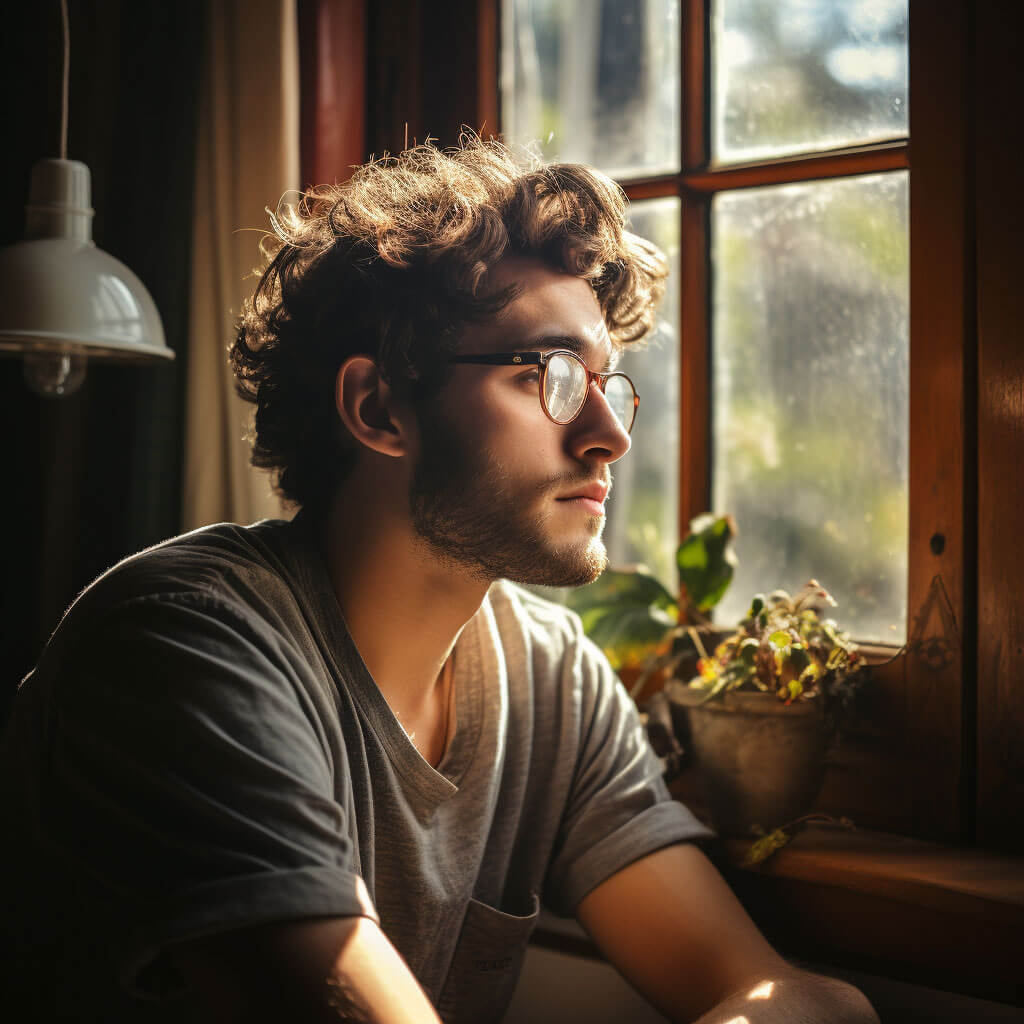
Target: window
[
  {"x": 773, "y": 165},
  {"x": 804, "y": 276}
]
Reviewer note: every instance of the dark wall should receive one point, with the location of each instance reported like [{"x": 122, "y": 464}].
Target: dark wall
[
  {"x": 96, "y": 476},
  {"x": 423, "y": 73}
]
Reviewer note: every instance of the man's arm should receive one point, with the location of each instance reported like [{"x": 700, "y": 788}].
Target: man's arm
[
  {"x": 315, "y": 971},
  {"x": 673, "y": 928}
]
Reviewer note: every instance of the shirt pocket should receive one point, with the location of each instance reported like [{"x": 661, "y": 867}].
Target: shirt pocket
[{"x": 486, "y": 964}]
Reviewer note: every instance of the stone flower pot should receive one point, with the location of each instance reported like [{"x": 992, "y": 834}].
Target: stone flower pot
[{"x": 759, "y": 763}]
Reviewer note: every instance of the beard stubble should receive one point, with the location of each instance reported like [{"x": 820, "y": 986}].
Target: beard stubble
[{"x": 469, "y": 510}]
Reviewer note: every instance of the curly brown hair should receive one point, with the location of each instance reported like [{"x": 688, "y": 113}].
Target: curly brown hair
[{"x": 392, "y": 264}]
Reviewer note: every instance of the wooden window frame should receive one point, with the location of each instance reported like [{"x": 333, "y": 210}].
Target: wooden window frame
[{"x": 920, "y": 727}]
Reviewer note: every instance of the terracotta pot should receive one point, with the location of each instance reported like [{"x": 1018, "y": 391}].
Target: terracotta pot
[{"x": 759, "y": 762}]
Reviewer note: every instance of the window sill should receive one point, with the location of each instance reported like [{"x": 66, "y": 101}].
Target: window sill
[{"x": 946, "y": 917}]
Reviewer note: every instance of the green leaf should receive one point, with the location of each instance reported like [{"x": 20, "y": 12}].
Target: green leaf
[
  {"x": 747, "y": 652},
  {"x": 706, "y": 560},
  {"x": 627, "y": 634},
  {"x": 717, "y": 686},
  {"x": 734, "y": 675},
  {"x": 617, "y": 587},
  {"x": 837, "y": 657},
  {"x": 765, "y": 847},
  {"x": 810, "y": 675},
  {"x": 626, "y": 614}
]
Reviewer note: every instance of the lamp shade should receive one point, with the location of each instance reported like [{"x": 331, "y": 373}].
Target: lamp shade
[{"x": 61, "y": 295}]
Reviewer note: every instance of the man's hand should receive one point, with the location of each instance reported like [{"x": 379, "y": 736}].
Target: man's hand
[
  {"x": 317, "y": 971},
  {"x": 673, "y": 928},
  {"x": 793, "y": 996}
]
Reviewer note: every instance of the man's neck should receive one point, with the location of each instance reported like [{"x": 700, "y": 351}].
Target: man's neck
[{"x": 404, "y": 607}]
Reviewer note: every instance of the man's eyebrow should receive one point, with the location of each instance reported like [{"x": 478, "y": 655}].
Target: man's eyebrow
[{"x": 572, "y": 343}]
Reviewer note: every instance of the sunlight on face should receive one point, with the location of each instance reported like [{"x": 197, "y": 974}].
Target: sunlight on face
[
  {"x": 762, "y": 991},
  {"x": 491, "y": 486}
]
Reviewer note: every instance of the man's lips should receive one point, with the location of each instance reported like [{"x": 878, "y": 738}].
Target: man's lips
[{"x": 590, "y": 497}]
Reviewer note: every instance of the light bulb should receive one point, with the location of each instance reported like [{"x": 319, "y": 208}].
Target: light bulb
[{"x": 53, "y": 374}]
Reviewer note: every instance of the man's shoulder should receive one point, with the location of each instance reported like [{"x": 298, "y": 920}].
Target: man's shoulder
[
  {"x": 197, "y": 560},
  {"x": 543, "y": 623},
  {"x": 223, "y": 564}
]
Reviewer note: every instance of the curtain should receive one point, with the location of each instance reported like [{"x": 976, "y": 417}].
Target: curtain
[{"x": 247, "y": 157}]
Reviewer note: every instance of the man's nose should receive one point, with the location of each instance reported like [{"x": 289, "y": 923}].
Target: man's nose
[{"x": 597, "y": 433}]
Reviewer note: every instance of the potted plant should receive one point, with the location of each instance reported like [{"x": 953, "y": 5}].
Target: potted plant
[
  {"x": 762, "y": 709},
  {"x": 759, "y": 711}
]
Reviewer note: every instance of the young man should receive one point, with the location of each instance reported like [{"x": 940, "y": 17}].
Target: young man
[{"x": 328, "y": 769}]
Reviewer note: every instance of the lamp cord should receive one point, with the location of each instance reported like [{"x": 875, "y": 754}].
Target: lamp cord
[{"x": 65, "y": 80}]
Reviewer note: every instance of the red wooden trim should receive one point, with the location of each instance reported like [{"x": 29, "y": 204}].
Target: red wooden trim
[
  {"x": 887, "y": 156},
  {"x": 332, "y": 62},
  {"x": 651, "y": 188},
  {"x": 488, "y": 72},
  {"x": 891, "y": 156},
  {"x": 695, "y": 62},
  {"x": 694, "y": 385}
]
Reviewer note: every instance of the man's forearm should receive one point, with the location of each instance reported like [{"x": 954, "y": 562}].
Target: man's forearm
[{"x": 797, "y": 997}]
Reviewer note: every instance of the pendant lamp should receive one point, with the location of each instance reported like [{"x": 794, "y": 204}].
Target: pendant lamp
[{"x": 63, "y": 301}]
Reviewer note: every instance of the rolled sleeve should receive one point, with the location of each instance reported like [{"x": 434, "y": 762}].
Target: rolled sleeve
[
  {"x": 619, "y": 808},
  {"x": 188, "y": 787}
]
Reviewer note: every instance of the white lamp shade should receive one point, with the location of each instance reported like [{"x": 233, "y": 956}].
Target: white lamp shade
[{"x": 59, "y": 293}]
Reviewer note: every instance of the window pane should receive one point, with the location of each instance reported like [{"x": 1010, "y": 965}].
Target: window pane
[
  {"x": 797, "y": 75},
  {"x": 642, "y": 524},
  {"x": 810, "y": 393},
  {"x": 593, "y": 81}
]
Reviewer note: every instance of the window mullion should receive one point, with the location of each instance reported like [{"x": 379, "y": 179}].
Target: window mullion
[{"x": 694, "y": 362}]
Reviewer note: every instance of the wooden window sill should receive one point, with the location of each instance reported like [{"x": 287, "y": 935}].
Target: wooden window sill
[{"x": 946, "y": 917}]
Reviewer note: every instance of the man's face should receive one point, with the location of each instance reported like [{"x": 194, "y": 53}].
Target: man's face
[{"x": 497, "y": 485}]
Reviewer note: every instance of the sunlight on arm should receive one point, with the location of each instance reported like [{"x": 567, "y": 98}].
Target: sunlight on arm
[{"x": 762, "y": 991}]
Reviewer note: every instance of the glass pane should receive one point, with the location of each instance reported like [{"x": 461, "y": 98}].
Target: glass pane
[
  {"x": 642, "y": 525},
  {"x": 810, "y": 393},
  {"x": 797, "y": 75},
  {"x": 593, "y": 81}
]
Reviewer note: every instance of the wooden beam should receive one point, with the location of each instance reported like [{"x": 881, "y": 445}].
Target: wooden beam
[{"x": 886, "y": 157}]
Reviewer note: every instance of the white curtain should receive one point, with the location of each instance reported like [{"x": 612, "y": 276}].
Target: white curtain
[{"x": 247, "y": 156}]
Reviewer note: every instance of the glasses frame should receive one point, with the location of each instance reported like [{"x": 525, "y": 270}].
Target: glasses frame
[{"x": 541, "y": 359}]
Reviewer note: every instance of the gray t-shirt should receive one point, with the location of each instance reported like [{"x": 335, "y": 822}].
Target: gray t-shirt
[{"x": 201, "y": 748}]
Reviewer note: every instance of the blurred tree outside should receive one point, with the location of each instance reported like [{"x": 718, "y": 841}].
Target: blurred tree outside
[{"x": 811, "y": 386}]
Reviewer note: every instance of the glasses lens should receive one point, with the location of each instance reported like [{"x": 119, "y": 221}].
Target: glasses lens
[
  {"x": 565, "y": 387},
  {"x": 620, "y": 396}
]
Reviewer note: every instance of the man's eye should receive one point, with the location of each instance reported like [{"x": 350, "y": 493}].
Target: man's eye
[{"x": 530, "y": 377}]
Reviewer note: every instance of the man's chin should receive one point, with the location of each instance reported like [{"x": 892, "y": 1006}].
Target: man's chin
[{"x": 569, "y": 569}]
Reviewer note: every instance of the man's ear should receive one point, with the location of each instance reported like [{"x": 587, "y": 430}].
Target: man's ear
[{"x": 369, "y": 409}]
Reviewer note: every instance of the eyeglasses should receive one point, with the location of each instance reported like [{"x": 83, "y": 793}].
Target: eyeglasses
[{"x": 565, "y": 383}]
